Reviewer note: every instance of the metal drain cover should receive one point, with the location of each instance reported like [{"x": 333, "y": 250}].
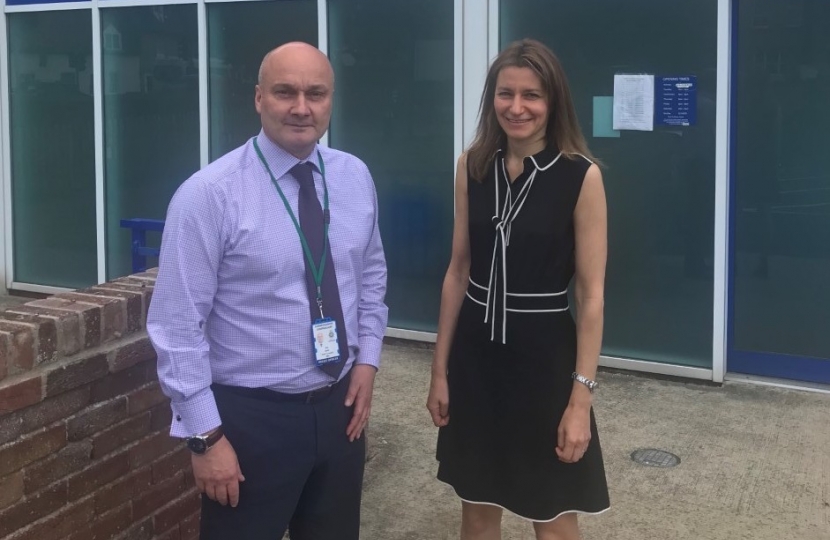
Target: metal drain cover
[{"x": 652, "y": 457}]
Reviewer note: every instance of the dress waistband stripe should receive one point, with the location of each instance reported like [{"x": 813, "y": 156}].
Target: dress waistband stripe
[{"x": 523, "y": 302}]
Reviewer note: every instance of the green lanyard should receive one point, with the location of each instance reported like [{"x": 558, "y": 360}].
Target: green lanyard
[{"x": 316, "y": 271}]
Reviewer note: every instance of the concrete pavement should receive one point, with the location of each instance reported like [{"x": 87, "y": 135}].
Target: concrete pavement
[{"x": 755, "y": 461}]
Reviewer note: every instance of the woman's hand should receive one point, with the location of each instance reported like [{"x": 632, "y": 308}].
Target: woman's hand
[
  {"x": 438, "y": 402},
  {"x": 574, "y": 433}
]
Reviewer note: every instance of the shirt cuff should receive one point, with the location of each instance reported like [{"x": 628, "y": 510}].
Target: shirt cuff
[
  {"x": 369, "y": 354},
  {"x": 195, "y": 416}
]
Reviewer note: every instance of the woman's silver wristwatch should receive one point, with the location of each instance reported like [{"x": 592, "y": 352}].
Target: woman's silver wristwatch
[{"x": 585, "y": 380}]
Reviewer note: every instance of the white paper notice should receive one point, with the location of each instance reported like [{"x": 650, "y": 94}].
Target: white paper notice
[{"x": 634, "y": 102}]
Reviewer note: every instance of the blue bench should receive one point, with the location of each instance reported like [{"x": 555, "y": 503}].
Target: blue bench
[{"x": 140, "y": 251}]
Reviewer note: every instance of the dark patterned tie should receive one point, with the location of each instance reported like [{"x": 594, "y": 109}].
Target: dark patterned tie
[{"x": 311, "y": 222}]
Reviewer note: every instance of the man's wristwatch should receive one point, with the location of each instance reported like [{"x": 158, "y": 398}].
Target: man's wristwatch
[
  {"x": 586, "y": 381},
  {"x": 200, "y": 444}
]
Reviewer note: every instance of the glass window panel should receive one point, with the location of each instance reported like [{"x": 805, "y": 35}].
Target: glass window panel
[
  {"x": 52, "y": 148},
  {"x": 151, "y": 115},
  {"x": 782, "y": 178},
  {"x": 239, "y": 35},
  {"x": 659, "y": 184},
  {"x": 394, "y": 109}
]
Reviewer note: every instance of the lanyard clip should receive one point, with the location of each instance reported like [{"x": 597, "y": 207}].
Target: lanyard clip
[{"x": 320, "y": 302}]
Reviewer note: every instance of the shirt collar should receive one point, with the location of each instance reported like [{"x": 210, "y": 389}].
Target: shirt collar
[
  {"x": 279, "y": 160},
  {"x": 541, "y": 160}
]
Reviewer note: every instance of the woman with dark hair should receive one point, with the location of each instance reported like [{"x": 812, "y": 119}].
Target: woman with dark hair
[{"x": 513, "y": 374}]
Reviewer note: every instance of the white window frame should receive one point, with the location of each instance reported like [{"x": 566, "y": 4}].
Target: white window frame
[
  {"x": 6, "y": 255},
  {"x": 723, "y": 138}
]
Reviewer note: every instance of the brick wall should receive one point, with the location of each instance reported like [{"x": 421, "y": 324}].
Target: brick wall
[{"x": 84, "y": 450}]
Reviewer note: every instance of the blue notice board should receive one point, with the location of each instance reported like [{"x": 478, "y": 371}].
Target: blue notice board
[{"x": 675, "y": 101}]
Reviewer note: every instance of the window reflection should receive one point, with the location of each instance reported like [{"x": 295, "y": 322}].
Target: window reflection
[
  {"x": 151, "y": 115},
  {"x": 394, "y": 109},
  {"x": 782, "y": 178},
  {"x": 52, "y": 148}
]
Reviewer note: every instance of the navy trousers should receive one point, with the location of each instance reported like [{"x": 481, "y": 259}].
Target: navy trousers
[{"x": 301, "y": 472}]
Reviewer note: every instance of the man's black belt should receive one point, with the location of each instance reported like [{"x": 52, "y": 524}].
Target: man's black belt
[{"x": 265, "y": 394}]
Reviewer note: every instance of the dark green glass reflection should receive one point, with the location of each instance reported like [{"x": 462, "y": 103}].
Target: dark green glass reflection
[
  {"x": 782, "y": 178},
  {"x": 52, "y": 148},
  {"x": 394, "y": 109},
  {"x": 151, "y": 115}
]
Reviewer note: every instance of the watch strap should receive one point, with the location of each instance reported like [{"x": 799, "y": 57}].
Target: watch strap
[
  {"x": 214, "y": 437},
  {"x": 591, "y": 384}
]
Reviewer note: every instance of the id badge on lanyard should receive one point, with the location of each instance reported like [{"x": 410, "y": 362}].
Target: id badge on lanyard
[{"x": 326, "y": 346}]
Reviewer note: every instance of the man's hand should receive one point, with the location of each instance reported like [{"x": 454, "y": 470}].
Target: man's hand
[
  {"x": 217, "y": 473},
  {"x": 360, "y": 394}
]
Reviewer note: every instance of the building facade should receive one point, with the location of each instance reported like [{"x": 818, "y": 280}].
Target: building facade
[{"x": 719, "y": 211}]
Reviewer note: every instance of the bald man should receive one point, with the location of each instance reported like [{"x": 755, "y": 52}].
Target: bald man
[{"x": 268, "y": 317}]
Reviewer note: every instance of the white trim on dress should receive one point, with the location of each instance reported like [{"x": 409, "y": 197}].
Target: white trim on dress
[{"x": 583, "y": 512}]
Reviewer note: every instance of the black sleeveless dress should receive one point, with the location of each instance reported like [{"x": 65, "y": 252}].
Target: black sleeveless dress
[{"x": 514, "y": 348}]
